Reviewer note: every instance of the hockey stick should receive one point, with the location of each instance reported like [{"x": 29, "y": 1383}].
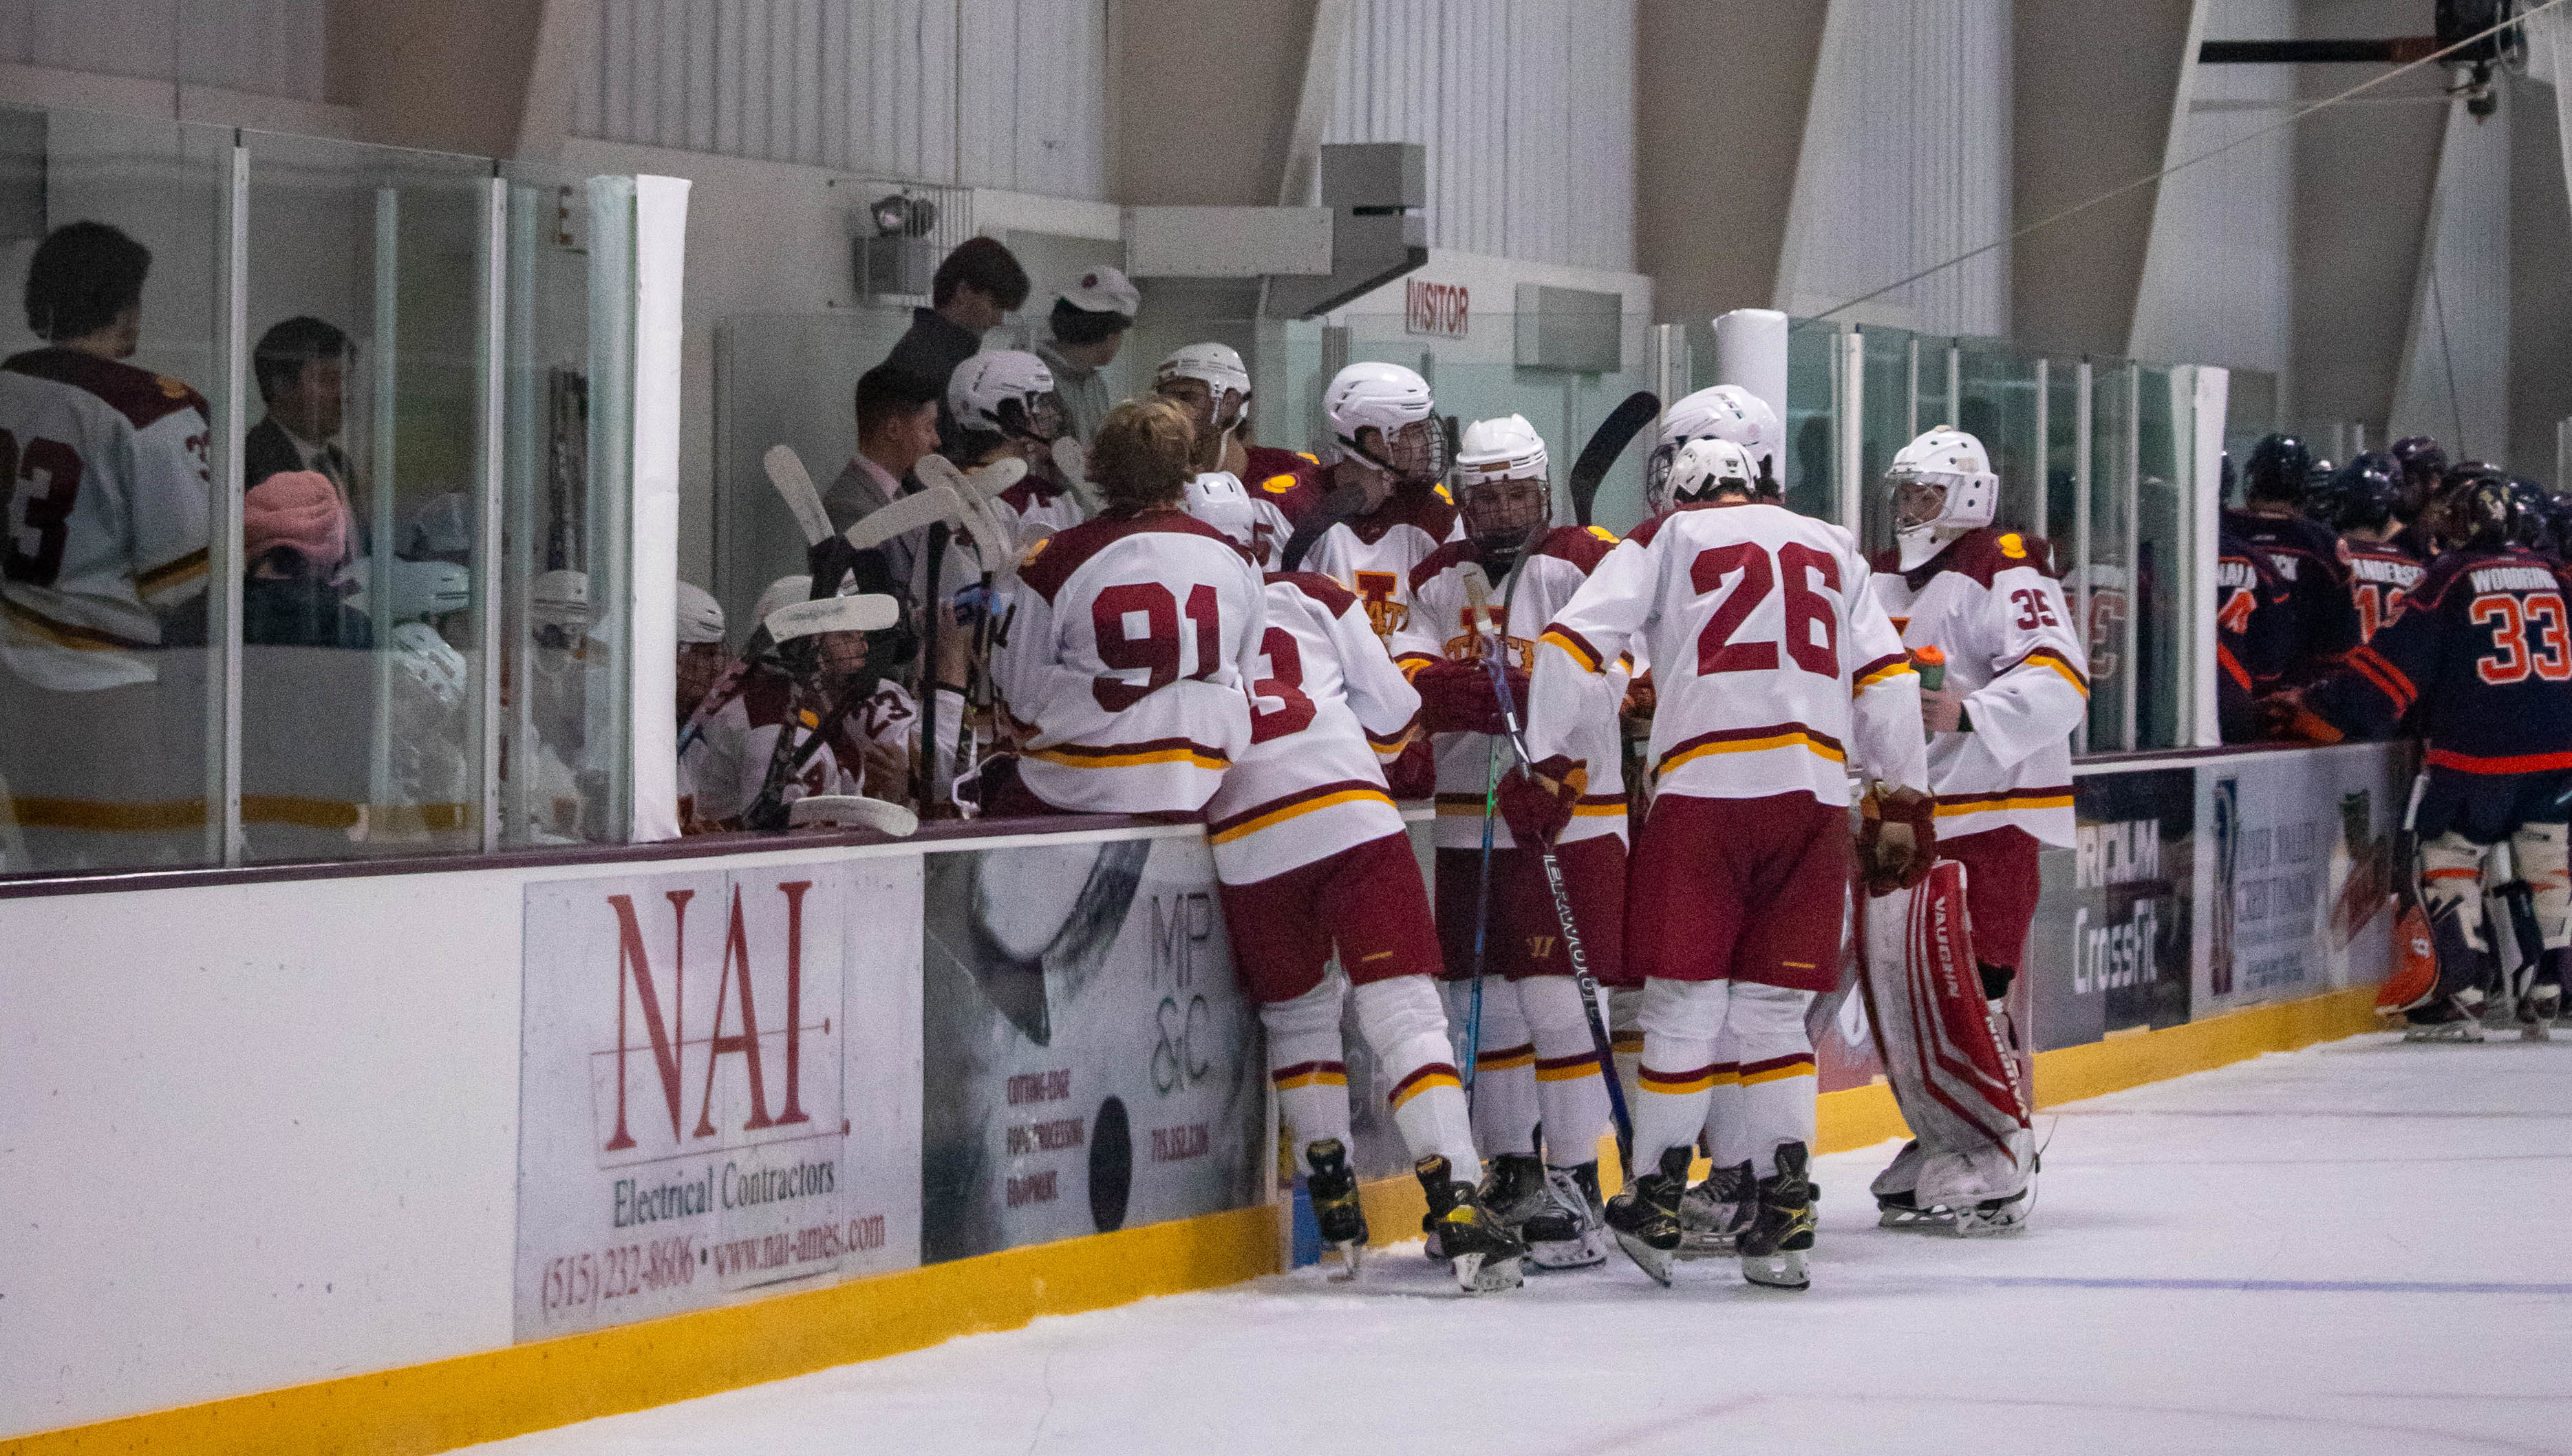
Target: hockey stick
[
  {"x": 794, "y": 486},
  {"x": 1478, "y": 597},
  {"x": 1607, "y": 442},
  {"x": 1345, "y": 502},
  {"x": 1600, "y": 1042},
  {"x": 857, "y": 810},
  {"x": 790, "y": 623}
]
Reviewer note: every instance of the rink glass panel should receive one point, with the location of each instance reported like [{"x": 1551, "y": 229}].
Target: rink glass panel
[{"x": 144, "y": 789}]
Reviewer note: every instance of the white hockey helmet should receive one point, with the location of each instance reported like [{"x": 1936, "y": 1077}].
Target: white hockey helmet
[
  {"x": 1725, "y": 412},
  {"x": 1507, "y": 448},
  {"x": 701, "y": 617},
  {"x": 1005, "y": 391},
  {"x": 1217, "y": 499},
  {"x": 1217, "y": 365},
  {"x": 434, "y": 588},
  {"x": 1942, "y": 486},
  {"x": 1706, "y": 469},
  {"x": 1395, "y": 400}
]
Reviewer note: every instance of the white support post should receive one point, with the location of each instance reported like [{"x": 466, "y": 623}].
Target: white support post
[
  {"x": 1849, "y": 413},
  {"x": 1750, "y": 350},
  {"x": 2130, "y": 632},
  {"x": 1955, "y": 388},
  {"x": 223, "y": 539},
  {"x": 379, "y": 495},
  {"x": 660, "y": 256},
  {"x": 2084, "y": 409},
  {"x": 525, "y": 458},
  {"x": 2044, "y": 449},
  {"x": 2211, "y": 393},
  {"x": 489, "y": 446}
]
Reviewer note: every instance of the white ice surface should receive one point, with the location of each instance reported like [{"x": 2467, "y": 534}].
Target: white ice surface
[{"x": 2361, "y": 1247}]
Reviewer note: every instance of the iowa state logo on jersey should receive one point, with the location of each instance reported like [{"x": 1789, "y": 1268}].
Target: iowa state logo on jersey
[
  {"x": 1375, "y": 589},
  {"x": 1469, "y": 645}
]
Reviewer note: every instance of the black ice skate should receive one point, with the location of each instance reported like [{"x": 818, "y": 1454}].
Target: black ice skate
[
  {"x": 1333, "y": 1188},
  {"x": 1713, "y": 1213},
  {"x": 1646, "y": 1216},
  {"x": 1781, "y": 1231},
  {"x": 1484, "y": 1254},
  {"x": 1568, "y": 1234},
  {"x": 1514, "y": 1190}
]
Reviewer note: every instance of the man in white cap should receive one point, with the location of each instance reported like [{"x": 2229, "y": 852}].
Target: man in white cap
[{"x": 1089, "y": 321}]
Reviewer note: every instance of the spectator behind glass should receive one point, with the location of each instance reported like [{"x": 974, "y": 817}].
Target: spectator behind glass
[
  {"x": 976, "y": 287},
  {"x": 302, "y": 367},
  {"x": 1088, "y": 323},
  {"x": 102, "y": 561},
  {"x": 294, "y": 530}
]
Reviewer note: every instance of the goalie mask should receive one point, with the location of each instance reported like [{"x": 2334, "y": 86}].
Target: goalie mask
[
  {"x": 1009, "y": 394},
  {"x": 1395, "y": 403},
  {"x": 1942, "y": 486},
  {"x": 1210, "y": 382},
  {"x": 1728, "y": 413},
  {"x": 1218, "y": 499},
  {"x": 1500, "y": 485},
  {"x": 1707, "y": 468}
]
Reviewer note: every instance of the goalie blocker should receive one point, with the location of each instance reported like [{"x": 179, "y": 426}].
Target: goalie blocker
[{"x": 1972, "y": 1160}]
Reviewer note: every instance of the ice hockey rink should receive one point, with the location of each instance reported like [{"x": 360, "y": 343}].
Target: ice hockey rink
[{"x": 2357, "y": 1247}]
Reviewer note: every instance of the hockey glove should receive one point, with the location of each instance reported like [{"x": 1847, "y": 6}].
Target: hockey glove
[
  {"x": 1538, "y": 801},
  {"x": 2284, "y": 715},
  {"x": 1457, "y": 697},
  {"x": 1413, "y": 774},
  {"x": 1897, "y": 840}
]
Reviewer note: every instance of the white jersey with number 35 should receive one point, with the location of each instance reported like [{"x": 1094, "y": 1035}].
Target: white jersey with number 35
[
  {"x": 1774, "y": 670},
  {"x": 103, "y": 476},
  {"x": 1128, "y": 641}
]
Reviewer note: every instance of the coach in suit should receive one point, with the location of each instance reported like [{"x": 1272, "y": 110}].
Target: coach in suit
[{"x": 302, "y": 367}]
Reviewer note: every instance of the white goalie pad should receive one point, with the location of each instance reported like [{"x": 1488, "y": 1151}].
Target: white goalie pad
[{"x": 1957, "y": 1088}]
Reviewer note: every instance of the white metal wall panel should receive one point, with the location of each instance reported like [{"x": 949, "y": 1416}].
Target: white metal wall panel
[
  {"x": 1905, "y": 164},
  {"x": 268, "y": 47},
  {"x": 2455, "y": 365},
  {"x": 986, "y": 93},
  {"x": 2219, "y": 270},
  {"x": 1526, "y": 108}
]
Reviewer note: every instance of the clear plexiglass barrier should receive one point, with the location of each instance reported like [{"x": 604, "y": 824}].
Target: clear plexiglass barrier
[{"x": 312, "y": 553}]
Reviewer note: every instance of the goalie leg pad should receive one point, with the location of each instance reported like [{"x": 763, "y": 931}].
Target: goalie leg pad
[
  {"x": 2541, "y": 853},
  {"x": 1307, "y": 1064},
  {"x": 1957, "y": 1088},
  {"x": 1407, "y": 1030},
  {"x": 2451, "y": 891}
]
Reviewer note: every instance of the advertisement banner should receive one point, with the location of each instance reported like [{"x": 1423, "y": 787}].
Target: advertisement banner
[
  {"x": 2110, "y": 948},
  {"x": 718, "y": 1087},
  {"x": 2297, "y": 872},
  {"x": 1088, "y": 1063}
]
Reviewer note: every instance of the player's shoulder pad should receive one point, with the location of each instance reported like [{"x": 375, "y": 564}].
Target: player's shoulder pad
[
  {"x": 1328, "y": 596},
  {"x": 1448, "y": 556},
  {"x": 1642, "y": 535},
  {"x": 142, "y": 396},
  {"x": 1433, "y": 510},
  {"x": 1582, "y": 546},
  {"x": 1980, "y": 554}
]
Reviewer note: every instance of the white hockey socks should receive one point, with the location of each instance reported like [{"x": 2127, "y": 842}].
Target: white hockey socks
[
  {"x": 1407, "y": 1028},
  {"x": 1305, "y": 1066},
  {"x": 1571, "y": 1096},
  {"x": 1626, "y": 1032},
  {"x": 2540, "y": 853},
  {"x": 1503, "y": 1070},
  {"x": 1681, "y": 1022},
  {"x": 1727, "y": 1138},
  {"x": 1778, "y": 1088}
]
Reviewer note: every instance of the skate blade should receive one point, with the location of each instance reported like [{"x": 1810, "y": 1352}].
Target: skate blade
[
  {"x": 1587, "y": 1252},
  {"x": 1654, "y": 1261},
  {"x": 1351, "y": 1262},
  {"x": 1979, "y": 1224},
  {"x": 1783, "y": 1269},
  {"x": 1912, "y": 1220},
  {"x": 2535, "y": 1032},
  {"x": 1705, "y": 1246},
  {"x": 1480, "y": 1274}
]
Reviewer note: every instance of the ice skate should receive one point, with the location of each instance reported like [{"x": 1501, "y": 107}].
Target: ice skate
[
  {"x": 2537, "y": 1011},
  {"x": 1484, "y": 1254},
  {"x": 1333, "y": 1188},
  {"x": 1713, "y": 1213},
  {"x": 2459, "y": 1020},
  {"x": 1514, "y": 1190},
  {"x": 1773, "y": 1246},
  {"x": 1570, "y": 1233},
  {"x": 1646, "y": 1216},
  {"x": 1896, "y": 1191}
]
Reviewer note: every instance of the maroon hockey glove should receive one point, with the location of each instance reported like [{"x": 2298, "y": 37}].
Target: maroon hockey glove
[
  {"x": 1457, "y": 697},
  {"x": 1413, "y": 774},
  {"x": 1897, "y": 840},
  {"x": 1537, "y": 804}
]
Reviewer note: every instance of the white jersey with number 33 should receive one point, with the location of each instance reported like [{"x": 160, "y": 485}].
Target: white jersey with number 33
[{"x": 1774, "y": 670}]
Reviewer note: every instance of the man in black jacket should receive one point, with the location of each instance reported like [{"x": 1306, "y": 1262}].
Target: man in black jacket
[
  {"x": 975, "y": 288},
  {"x": 302, "y": 367}
]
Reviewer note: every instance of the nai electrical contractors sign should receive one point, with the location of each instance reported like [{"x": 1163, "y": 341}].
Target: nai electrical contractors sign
[{"x": 719, "y": 1088}]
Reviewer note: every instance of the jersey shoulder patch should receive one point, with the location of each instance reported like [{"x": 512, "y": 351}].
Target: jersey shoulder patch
[
  {"x": 1326, "y": 593},
  {"x": 142, "y": 396},
  {"x": 1448, "y": 556}
]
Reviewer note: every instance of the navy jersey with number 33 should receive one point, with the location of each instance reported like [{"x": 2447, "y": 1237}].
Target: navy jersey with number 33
[{"x": 2481, "y": 658}]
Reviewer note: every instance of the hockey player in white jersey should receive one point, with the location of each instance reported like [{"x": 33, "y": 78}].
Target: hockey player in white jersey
[
  {"x": 104, "y": 504},
  {"x": 1003, "y": 403},
  {"x": 1723, "y": 412},
  {"x": 1127, "y": 639},
  {"x": 1390, "y": 449},
  {"x": 1313, "y": 858},
  {"x": 1210, "y": 383},
  {"x": 1534, "y": 1060},
  {"x": 2015, "y": 685},
  {"x": 1777, "y": 674}
]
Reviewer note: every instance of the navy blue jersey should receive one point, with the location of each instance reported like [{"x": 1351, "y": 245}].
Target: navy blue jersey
[
  {"x": 2254, "y": 633},
  {"x": 2380, "y": 578},
  {"x": 2308, "y": 558},
  {"x": 2481, "y": 658}
]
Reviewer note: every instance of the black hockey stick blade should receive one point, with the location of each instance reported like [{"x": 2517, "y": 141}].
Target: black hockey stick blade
[
  {"x": 1607, "y": 442},
  {"x": 1343, "y": 504}
]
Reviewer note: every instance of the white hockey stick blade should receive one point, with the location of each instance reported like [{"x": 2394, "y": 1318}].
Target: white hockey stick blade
[
  {"x": 786, "y": 471},
  {"x": 935, "y": 471},
  {"x": 989, "y": 481},
  {"x": 1478, "y": 594},
  {"x": 994, "y": 539},
  {"x": 852, "y": 811},
  {"x": 1071, "y": 461},
  {"x": 868, "y": 614},
  {"x": 907, "y": 513}
]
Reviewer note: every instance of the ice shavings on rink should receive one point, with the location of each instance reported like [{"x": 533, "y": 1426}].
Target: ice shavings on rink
[{"x": 2359, "y": 1247}]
